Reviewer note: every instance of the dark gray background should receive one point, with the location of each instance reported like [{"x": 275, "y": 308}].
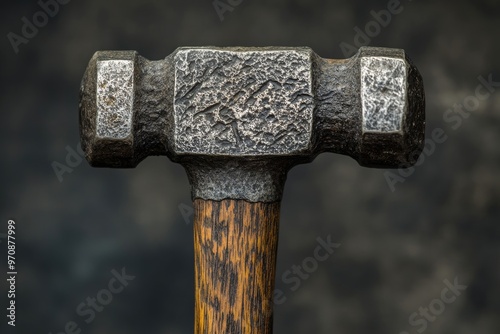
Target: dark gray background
[{"x": 396, "y": 249}]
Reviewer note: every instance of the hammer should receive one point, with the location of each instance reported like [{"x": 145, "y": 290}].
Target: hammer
[{"x": 238, "y": 119}]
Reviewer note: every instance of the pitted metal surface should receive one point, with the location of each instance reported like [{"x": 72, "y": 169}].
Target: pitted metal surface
[
  {"x": 383, "y": 94},
  {"x": 254, "y": 181},
  {"x": 115, "y": 98},
  {"x": 243, "y": 102},
  {"x": 239, "y": 118}
]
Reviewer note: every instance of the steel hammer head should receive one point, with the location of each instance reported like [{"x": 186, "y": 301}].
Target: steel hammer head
[{"x": 252, "y": 104}]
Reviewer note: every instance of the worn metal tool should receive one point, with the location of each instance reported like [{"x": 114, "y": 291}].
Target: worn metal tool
[{"x": 238, "y": 119}]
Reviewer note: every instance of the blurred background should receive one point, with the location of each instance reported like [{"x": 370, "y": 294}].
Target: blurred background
[{"x": 404, "y": 237}]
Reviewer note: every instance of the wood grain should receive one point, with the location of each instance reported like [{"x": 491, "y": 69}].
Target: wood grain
[{"x": 235, "y": 264}]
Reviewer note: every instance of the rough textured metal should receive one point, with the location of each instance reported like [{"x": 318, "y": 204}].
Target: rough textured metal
[
  {"x": 107, "y": 109},
  {"x": 239, "y": 118},
  {"x": 254, "y": 181},
  {"x": 341, "y": 125},
  {"x": 115, "y": 98},
  {"x": 243, "y": 103},
  {"x": 383, "y": 94}
]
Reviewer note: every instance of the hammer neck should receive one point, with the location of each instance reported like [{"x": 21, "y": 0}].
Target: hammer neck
[{"x": 240, "y": 179}]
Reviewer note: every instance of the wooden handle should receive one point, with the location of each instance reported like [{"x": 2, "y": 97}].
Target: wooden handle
[{"x": 235, "y": 245}]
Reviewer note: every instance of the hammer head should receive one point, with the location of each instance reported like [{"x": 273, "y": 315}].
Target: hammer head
[{"x": 252, "y": 103}]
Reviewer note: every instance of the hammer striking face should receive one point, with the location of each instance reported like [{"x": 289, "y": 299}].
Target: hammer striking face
[{"x": 238, "y": 119}]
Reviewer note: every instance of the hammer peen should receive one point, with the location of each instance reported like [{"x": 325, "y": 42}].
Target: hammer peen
[{"x": 238, "y": 119}]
